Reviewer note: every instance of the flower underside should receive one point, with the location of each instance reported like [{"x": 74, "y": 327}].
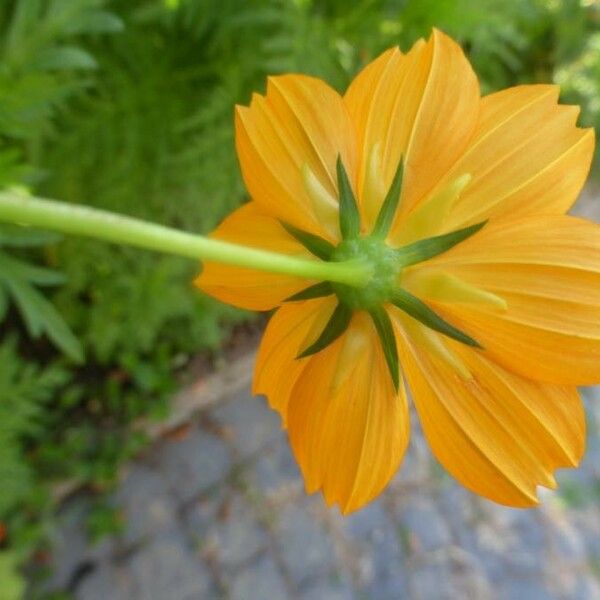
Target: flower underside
[{"x": 385, "y": 263}]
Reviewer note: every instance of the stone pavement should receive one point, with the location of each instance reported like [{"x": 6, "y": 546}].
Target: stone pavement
[{"x": 220, "y": 512}]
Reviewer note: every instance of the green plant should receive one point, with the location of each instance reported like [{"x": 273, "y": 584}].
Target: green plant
[
  {"x": 13, "y": 585},
  {"x": 42, "y": 61},
  {"x": 18, "y": 281},
  {"x": 580, "y": 79},
  {"x": 26, "y": 391},
  {"x": 128, "y": 105}
]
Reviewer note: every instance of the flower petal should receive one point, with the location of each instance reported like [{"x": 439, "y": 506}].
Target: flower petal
[
  {"x": 288, "y": 142},
  {"x": 293, "y": 327},
  {"x": 526, "y": 157},
  {"x": 249, "y": 288},
  {"x": 347, "y": 426},
  {"x": 499, "y": 434},
  {"x": 547, "y": 269},
  {"x": 423, "y": 106}
]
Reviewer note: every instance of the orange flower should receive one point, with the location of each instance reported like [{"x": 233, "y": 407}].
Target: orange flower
[{"x": 482, "y": 286}]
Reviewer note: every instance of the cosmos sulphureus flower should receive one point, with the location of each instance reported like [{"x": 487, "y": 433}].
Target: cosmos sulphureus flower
[
  {"x": 409, "y": 234},
  {"x": 477, "y": 291}
]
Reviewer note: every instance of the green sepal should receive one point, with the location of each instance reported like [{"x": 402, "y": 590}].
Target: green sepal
[
  {"x": 387, "y": 212},
  {"x": 385, "y": 330},
  {"x": 319, "y": 290},
  {"x": 428, "y": 248},
  {"x": 316, "y": 245},
  {"x": 338, "y": 323},
  {"x": 419, "y": 310},
  {"x": 349, "y": 215}
]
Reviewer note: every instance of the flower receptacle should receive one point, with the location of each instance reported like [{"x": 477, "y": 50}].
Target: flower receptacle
[{"x": 385, "y": 268}]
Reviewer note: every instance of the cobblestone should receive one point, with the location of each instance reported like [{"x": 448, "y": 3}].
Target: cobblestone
[
  {"x": 69, "y": 542},
  {"x": 389, "y": 586},
  {"x": 200, "y": 517},
  {"x": 276, "y": 469},
  {"x": 519, "y": 589},
  {"x": 586, "y": 588},
  {"x": 568, "y": 544},
  {"x": 587, "y": 523},
  {"x": 193, "y": 465},
  {"x": 222, "y": 514},
  {"x": 426, "y": 528},
  {"x": 328, "y": 589},
  {"x": 236, "y": 536},
  {"x": 304, "y": 546},
  {"x": 259, "y": 581},
  {"x": 167, "y": 569},
  {"x": 432, "y": 581},
  {"x": 104, "y": 582},
  {"x": 145, "y": 504},
  {"x": 249, "y": 423}
]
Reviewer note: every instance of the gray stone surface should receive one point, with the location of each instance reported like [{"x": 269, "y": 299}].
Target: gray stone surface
[
  {"x": 248, "y": 426},
  {"x": 69, "y": 542},
  {"x": 586, "y": 588},
  {"x": 275, "y": 468},
  {"x": 425, "y": 526},
  {"x": 146, "y": 505},
  {"x": 328, "y": 588},
  {"x": 306, "y": 549},
  {"x": 193, "y": 465},
  {"x": 167, "y": 569},
  {"x": 389, "y": 586},
  {"x": 430, "y": 581},
  {"x": 237, "y": 536},
  {"x": 519, "y": 589},
  {"x": 259, "y": 581},
  {"x": 102, "y": 583},
  {"x": 222, "y": 514}
]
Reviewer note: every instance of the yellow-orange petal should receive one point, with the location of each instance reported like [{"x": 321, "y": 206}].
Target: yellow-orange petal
[
  {"x": 292, "y": 135},
  {"x": 249, "y": 288},
  {"x": 291, "y": 329},
  {"x": 547, "y": 269},
  {"x": 347, "y": 425},
  {"x": 423, "y": 106},
  {"x": 526, "y": 157},
  {"x": 499, "y": 434}
]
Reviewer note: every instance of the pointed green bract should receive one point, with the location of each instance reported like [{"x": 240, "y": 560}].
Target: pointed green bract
[
  {"x": 428, "y": 248},
  {"x": 419, "y": 310},
  {"x": 319, "y": 290},
  {"x": 316, "y": 245},
  {"x": 388, "y": 209},
  {"x": 349, "y": 216},
  {"x": 388, "y": 342},
  {"x": 338, "y": 323}
]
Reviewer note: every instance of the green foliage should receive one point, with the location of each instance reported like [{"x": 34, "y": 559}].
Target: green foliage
[
  {"x": 41, "y": 65},
  {"x": 26, "y": 391},
  {"x": 18, "y": 279},
  {"x": 580, "y": 79},
  {"x": 13, "y": 585},
  {"x": 104, "y": 519},
  {"x": 128, "y": 105}
]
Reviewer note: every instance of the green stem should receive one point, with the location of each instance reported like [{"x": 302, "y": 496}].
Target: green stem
[{"x": 110, "y": 227}]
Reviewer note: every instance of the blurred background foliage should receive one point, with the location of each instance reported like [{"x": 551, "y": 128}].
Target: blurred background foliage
[{"x": 127, "y": 105}]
